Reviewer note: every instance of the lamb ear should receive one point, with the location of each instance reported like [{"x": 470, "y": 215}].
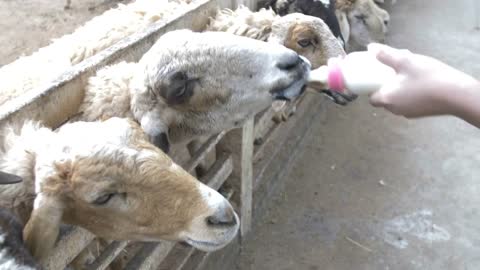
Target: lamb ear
[
  {"x": 156, "y": 129},
  {"x": 161, "y": 141},
  {"x": 43, "y": 227},
  {"x": 8, "y": 178}
]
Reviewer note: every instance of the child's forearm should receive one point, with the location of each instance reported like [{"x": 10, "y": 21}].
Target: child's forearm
[{"x": 465, "y": 102}]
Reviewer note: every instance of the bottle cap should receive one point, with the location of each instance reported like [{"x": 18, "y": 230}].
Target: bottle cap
[{"x": 335, "y": 76}]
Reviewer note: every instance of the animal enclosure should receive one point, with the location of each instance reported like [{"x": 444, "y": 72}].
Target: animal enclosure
[{"x": 242, "y": 157}]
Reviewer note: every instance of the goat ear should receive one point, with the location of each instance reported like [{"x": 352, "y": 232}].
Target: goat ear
[
  {"x": 8, "y": 178},
  {"x": 42, "y": 228}
]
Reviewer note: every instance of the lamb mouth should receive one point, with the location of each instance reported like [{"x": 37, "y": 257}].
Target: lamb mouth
[
  {"x": 203, "y": 245},
  {"x": 338, "y": 98},
  {"x": 292, "y": 91}
]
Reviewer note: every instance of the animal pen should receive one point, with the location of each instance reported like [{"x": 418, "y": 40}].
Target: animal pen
[{"x": 246, "y": 166}]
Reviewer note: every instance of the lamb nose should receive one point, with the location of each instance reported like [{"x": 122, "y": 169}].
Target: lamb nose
[
  {"x": 290, "y": 62},
  {"x": 223, "y": 217}
]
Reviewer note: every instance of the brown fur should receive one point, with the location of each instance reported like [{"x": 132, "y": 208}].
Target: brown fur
[
  {"x": 299, "y": 32},
  {"x": 154, "y": 199},
  {"x": 345, "y": 5}
]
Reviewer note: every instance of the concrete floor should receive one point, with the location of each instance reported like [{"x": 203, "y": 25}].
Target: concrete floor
[{"x": 375, "y": 191}]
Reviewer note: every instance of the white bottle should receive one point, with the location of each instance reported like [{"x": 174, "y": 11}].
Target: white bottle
[{"x": 358, "y": 72}]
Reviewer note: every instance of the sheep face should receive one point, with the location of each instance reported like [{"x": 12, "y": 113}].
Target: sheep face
[
  {"x": 107, "y": 178},
  {"x": 367, "y": 23},
  {"x": 308, "y": 36},
  {"x": 193, "y": 84}
]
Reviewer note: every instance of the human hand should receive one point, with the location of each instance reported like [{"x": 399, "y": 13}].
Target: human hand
[{"x": 423, "y": 86}]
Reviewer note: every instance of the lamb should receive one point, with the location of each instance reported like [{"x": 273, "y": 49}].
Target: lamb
[
  {"x": 190, "y": 85},
  {"x": 324, "y": 9},
  {"x": 107, "y": 178},
  {"x": 357, "y": 22},
  {"x": 45, "y": 65},
  {"x": 362, "y": 22},
  {"x": 13, "y": 253},
  {"x": 308, "y": 36}
]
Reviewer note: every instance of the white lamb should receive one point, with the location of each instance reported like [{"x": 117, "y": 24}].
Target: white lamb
[{"x": 191, "y": 84}]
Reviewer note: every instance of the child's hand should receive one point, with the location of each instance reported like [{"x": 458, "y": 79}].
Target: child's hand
[{"x": 423, "y": 86}]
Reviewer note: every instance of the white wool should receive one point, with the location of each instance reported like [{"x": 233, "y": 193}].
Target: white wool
[
  {"x": 17, "y": 156},
  {"x": 101, "y": 32},
  {"x": 244, "y": 22}
]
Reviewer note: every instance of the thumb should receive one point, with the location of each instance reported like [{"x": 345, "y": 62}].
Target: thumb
[
  {"x": 377, "y": 99},
  {"x": 387, "y": 55}
]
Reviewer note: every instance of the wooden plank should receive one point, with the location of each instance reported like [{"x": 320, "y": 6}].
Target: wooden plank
[
  {"x": 203, "y": 151},
  {"x": 107, "y": 256},
  {"x": 219, "y": 172},
  {"x": 262, "y": 121},
  {"x": 290, "y": 136},
  {"x": 260, "y": 156},
  {"x": 56, "y": 101},
  {"x": 246, "y": 177},
  {"x": 196, "y": 260},
  {"x": 150, "y": 256},
  {"x": 71, "y": 242},
  {"x": 177, "y": 258}
]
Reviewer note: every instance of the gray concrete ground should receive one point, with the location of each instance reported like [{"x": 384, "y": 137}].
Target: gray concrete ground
[{"x": 375, "y": 191}]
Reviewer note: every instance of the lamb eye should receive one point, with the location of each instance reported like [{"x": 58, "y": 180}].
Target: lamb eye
[
  {"x": 181, "y": 90},
  {"x": 304, "y": 43},
  {"x": 179, "y": 76},
  {"x": 103, "y": 199}
]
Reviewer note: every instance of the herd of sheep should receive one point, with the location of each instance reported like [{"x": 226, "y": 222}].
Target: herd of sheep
[{"x": 108, "y": 169}]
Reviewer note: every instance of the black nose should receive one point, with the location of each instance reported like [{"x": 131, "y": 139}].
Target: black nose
[
  {"x": 223, "y": 217},
  {"x": 385, "y": 22},
  {"x": 290, "y": 62}
]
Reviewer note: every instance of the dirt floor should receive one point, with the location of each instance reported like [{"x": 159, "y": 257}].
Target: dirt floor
[
  {"x": 27, "y": 25},
  {"x": 375, "y": 191}
]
